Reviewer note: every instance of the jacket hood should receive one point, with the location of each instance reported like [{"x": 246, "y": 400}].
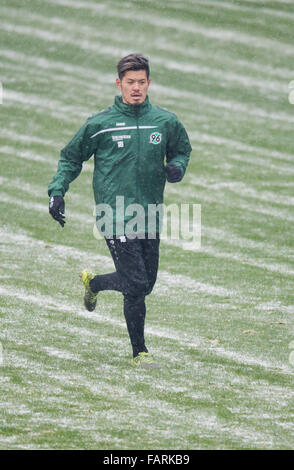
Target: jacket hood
[{"x": 132, "y": 110}]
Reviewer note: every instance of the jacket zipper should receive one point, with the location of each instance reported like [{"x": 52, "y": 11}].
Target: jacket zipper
[{"x": 138, "y": 156}]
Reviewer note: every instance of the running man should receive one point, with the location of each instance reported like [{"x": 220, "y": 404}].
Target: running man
[{"x": 137, "y": 147}]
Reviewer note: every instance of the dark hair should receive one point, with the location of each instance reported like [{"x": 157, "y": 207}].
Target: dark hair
[{"x": 133, "y": 62}]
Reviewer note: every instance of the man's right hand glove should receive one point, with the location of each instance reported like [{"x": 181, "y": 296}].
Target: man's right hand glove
[{"x": 57, "y": 209}]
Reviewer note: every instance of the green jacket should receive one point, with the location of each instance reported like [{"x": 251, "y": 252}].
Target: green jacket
[{"x": 129, "y": 144}]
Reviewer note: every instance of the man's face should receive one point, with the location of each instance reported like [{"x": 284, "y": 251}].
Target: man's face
[{"x": 134, "y": 86}]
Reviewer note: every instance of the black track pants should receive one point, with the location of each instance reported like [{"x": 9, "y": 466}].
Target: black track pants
[{"x": 136, "y": 263}]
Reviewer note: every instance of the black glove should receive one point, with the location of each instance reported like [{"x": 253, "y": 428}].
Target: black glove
[
  {"x": 57, "y": 209},
  {"x": 174, "y": 174}
]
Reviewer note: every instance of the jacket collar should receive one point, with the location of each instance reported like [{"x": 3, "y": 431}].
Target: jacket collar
[{"x": 132, "y": 110}]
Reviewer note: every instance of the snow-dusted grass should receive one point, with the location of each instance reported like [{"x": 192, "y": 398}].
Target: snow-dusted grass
[{"x": 219, "y": 320}]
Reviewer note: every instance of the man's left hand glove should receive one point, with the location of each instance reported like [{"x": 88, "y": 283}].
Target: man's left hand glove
[
  {"x": 57, "y": 208},
  {"x": 174, "y": 174}
]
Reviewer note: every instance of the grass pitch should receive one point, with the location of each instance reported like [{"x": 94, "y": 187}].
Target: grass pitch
[{"x": 220, "y": 320}]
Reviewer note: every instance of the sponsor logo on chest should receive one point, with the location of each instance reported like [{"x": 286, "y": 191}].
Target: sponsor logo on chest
[
  {"x": 120, "y": 139},
  {"x": 115, "y": 138}
]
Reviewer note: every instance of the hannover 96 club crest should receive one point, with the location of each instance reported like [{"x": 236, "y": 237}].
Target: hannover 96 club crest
[{"x": 155, "y": 138}]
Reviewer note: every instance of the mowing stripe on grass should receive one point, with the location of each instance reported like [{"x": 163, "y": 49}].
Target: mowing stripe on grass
[
  {"x": 212, "y": 251},
  {"x": 186, "y": 340}
]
